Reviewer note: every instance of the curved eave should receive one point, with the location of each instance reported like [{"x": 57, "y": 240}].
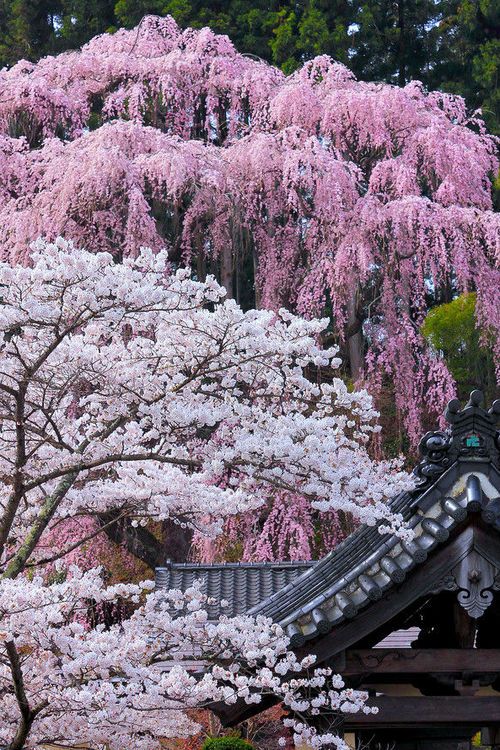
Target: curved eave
[{"x": 367, "y": 565}]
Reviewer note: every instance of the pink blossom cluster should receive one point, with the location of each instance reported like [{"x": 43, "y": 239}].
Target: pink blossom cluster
[
  {"x": 182, "y": 82},
  {"x": 86, "y": 546},
  {"x": 287, "y": 527},
  {"x": 362, "y": 198}
]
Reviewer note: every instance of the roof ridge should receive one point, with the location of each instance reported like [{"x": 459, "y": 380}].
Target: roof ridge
[{"x": 170, "y": 565}]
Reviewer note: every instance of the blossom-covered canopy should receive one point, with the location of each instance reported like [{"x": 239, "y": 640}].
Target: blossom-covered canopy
[{"x": 364, "y": 199}]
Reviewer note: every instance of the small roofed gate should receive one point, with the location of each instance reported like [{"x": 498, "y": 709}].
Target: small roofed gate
[{"x": 415, "y": 624}]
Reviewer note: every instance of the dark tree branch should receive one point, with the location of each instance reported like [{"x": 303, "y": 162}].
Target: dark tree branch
[
  {"x": 138, "y": 540},
  {"x": 18, "y": 482},
  {"x": 27, "y": 716}
]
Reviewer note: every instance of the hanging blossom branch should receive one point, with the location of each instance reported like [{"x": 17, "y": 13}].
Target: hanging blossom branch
[{"x": 365, "y": 198}]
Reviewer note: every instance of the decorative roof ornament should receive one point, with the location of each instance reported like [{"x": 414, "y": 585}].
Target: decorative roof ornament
[{"x": 472, "y": 435}]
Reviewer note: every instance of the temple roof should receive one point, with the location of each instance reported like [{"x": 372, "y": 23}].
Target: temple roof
[
  {"x": 242, "y": 585},
  {"x": 458, "y": 475}
]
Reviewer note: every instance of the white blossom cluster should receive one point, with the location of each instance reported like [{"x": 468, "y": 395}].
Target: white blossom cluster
[
  {"x": 127, "y": 386},
  {"x": 127, "y": 686},
  {"x": 132, "y": 389}
]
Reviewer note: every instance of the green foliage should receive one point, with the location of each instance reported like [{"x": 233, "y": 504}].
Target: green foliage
[
  {"x": 129, "y": 12},
  {"x": 283, "y": 42},
  {"x": 451, "y": 330},
  {"x": 226, "y": 743},
  {"x": 32, "y": 29},
  {"x": 470, "y": 55},
  {"x": 80, "y": 20},
  {"x": 396, "y": 41},
  {"x": 181, "y": 10},
  {"x": 27, "y": 29},
  {"x": 486, "y": 73}
]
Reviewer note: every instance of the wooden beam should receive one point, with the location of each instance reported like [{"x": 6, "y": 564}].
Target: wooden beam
[
  {"x": 416, "y": 661},
  {"x": 410, "y": 712}
]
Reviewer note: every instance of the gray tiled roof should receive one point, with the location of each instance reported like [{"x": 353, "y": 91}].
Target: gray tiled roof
[
  {"x": 367, "y": 564},
  {"x": 243, "y": 585},
  {"x": 309, "y": 598}
]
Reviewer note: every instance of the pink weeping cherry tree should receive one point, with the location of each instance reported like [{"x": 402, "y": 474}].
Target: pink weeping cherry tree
[
  {"x": 131, "y": 393},
  {"x": 313, "y": 191}
]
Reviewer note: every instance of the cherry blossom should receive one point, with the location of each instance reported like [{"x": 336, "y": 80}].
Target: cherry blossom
[
  {"x": 130, "y": 685},
  {"x": 121, "y": 390},
  {"x": 364, "y": 199},
  {"x": 131, "y": 390},
  {"x": 134, "y": 387}
]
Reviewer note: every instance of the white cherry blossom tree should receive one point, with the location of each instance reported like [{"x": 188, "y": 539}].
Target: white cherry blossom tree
[{"x": 130, "y": 391}]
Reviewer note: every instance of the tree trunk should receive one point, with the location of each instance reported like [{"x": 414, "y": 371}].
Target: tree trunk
[
  {"x": 257, "y": 290},
  {"x": 137, "y": 540},
  {"x": 402, "y": 44},
  {"x": 226, "y": 271},
  {"x": 355, "y": 336},
  {"x": 26, "y": 718},
  {"x": 201, "y": 266},
  {"x": 177, "y": 542}
]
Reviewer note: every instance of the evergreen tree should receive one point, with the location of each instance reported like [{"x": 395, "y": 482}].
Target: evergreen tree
[
  {"x": 470, "y": 60},
  {"x": 302, "y": 31},
  {"x": 396, "y": 41},
  {"x": 82, "y": 19},
  {"x": 27, "y": 29}
]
